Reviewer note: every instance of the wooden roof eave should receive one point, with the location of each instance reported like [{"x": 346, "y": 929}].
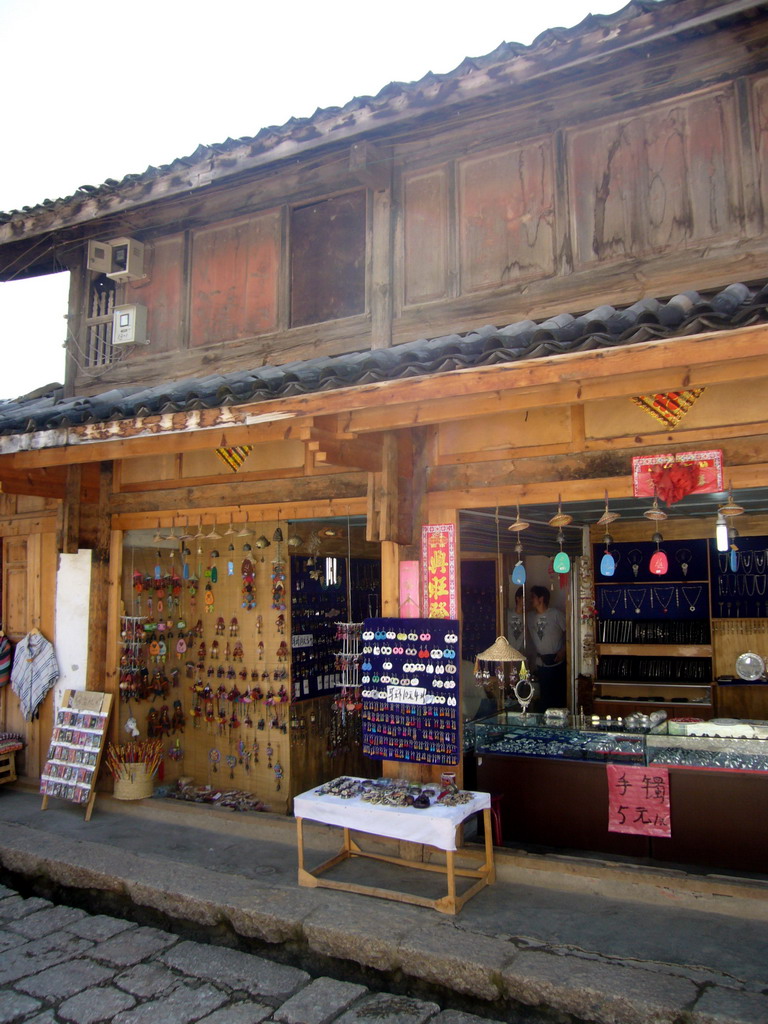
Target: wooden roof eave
[{"x": 564, "y": 379}]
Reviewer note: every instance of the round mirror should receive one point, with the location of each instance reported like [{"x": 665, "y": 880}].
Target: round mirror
[{"x": 750, "y": 666}]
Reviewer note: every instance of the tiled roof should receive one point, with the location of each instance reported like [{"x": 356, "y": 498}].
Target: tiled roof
[
  {"x": 605, "y": 327},
  {"x": 368, "y": 111}
]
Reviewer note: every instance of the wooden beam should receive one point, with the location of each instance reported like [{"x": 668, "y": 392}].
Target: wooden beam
[
  {"x": 231, "y": 494},
  {"x": 371, "y": 164},
  {"x": 138, "y": 519},
  {"x": 366, "y": 455},
  {"x": 70, "y": 539},
  {"x": 548, "y": 491}
]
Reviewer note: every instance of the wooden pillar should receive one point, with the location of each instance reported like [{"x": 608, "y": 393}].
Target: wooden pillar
[
  {"x": 70, "y": 527},
  {"x": 98, "y": 611}
]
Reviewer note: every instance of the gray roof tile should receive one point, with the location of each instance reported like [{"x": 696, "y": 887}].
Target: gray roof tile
[{"x": 735, "y": 306}]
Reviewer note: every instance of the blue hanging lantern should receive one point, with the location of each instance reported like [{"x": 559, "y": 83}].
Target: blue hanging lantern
[
  {"x": 518, "y": 572},
  {"x": 607, "y": 562}
]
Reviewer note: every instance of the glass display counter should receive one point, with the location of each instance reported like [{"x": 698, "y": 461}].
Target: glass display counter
[
  {"x": 552, "y": 780},
  {"x": 536, "y": 736},
  {"x": 725, "y": 744}
]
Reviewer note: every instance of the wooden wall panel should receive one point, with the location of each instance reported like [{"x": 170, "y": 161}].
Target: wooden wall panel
[
  {"x": 234, "y": 279},
  {"x": 426, "y": 258},
  {"x": 656, "y": 181},
  {"x": 506, "y": 216},
  {"x": 328, "y": 267},
  {"x": 161, "y": 292},
  {"x": 15, "y": 597},
  {"x": 505, "y": 431},
  {"x": 720, "y": 405},
  {"x": 760, "y": 116},
  {"x": 280, "y": 455}
]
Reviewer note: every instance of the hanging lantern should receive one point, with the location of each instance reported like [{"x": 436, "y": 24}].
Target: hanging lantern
[
  {"x": 607, "y": 562},
  {"x": 733, "y": 555},
  {"x": 659, "y": 564},
  {"x": 561, "y": 563},
  {"x": 518, "y": 572}
]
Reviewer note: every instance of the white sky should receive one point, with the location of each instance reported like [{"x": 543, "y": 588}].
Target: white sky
[{"x": 95, "y": 90}]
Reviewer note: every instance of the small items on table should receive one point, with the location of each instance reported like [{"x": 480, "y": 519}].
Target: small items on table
[{"x": 397, "y": 809}]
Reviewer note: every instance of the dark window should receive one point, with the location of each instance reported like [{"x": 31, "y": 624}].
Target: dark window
[{"x": 328, "y": 259}]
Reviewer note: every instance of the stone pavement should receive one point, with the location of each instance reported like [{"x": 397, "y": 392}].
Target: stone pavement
[
  {"x": 61, "y": 964},
  {"x": 204, "y": 892}
]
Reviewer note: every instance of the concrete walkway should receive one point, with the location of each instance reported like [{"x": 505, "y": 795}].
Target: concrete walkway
[{"x": 555, "y": 939}]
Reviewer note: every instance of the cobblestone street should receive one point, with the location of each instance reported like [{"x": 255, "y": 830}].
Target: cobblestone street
[{"x": 61, "y": 964}]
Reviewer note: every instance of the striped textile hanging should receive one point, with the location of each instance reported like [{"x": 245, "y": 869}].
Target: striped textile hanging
[
  {"x": 235, "y": 457},
  {"x": 668, "y": 408}
]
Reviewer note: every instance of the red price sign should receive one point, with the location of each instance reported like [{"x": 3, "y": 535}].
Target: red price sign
[{"x": 638, "y": 800}]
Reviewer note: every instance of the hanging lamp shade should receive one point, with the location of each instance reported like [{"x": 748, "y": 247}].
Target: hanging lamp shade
[
  {"x": 608, "y": 517},
  {"x": 501, "y": 650},
  {"x": 654, "y": 513},
  {"x": 519, "y": 524},
  {"x": 730, "y": 508},
  {"x": 560, "y": 518}
]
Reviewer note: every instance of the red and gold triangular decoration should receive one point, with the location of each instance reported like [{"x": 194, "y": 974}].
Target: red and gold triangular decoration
[
  {"x": 668, "y": 408},
  {"x": 235, "y": 457}
]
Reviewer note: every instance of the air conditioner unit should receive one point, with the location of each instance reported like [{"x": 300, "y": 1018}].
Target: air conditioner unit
[
  {"x": 121, "y": 259},
  {"x": 129, "y": 325}
]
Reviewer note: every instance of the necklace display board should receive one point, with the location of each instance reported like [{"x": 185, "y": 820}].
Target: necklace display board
[
  {"x": 410, "y": 690},
  {"x": 316, "y": 609},
  {"x": 739, "y": 578},
  {"x": 77, "y": 743}
]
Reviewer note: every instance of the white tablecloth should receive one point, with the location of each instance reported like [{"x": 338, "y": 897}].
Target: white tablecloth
[{"x": 435, "y": 825}]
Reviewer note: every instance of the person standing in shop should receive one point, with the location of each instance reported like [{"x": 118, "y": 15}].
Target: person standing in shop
[
  {"x": 516, "y": 622},
  {"x": 546, "y": 629}
]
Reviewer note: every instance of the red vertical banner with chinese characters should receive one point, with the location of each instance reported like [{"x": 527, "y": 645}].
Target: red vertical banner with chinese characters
[
  {"x": 638, "y": 800},
  {"x": 438, "y": 566}
]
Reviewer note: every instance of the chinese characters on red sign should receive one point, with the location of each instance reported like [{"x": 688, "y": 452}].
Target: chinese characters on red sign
[
  {"x": 671, "y": 477},
  {"x": 438, "y": 561},
  {"x": 638, "y": 800}
]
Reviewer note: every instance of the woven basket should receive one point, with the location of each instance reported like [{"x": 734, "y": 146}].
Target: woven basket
[
  {"x": 134, "y": 783},
  {"x": 500, "y": 650}
]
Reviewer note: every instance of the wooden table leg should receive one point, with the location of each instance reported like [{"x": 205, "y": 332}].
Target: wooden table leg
[{"x": 450, "y": 870}]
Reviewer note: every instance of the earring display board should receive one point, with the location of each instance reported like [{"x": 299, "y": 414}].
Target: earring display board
[
  {"x": 410, "y": 677},
  {"x": 77, "y": 743}
]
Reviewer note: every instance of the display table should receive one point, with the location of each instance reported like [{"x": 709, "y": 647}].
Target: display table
[{"x": 435, "y": 826}]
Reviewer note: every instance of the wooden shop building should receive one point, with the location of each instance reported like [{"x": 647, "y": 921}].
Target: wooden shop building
[{"x": 466, "y": 300}]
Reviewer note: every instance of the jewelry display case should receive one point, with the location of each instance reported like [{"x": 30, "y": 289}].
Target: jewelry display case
[
  {"x": 508, "y": 733},
  {"x": 721, "y": 744}
]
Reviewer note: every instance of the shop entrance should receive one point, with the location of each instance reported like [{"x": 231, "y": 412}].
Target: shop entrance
[{"x": 230, "y": 641}]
